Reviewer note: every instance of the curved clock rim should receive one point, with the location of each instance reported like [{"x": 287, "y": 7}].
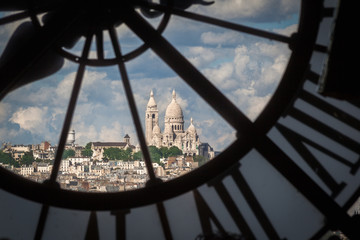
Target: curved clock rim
[{"x": 302, "y": 46}]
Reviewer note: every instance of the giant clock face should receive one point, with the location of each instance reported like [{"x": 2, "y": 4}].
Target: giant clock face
[{"x": 292, "y": 173}]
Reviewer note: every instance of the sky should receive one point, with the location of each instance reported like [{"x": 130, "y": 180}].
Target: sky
[{"x": 245, "y": 68}]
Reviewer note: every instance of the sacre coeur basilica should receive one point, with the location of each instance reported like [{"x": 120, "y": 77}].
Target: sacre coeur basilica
[{"x": 174, "y": 133}]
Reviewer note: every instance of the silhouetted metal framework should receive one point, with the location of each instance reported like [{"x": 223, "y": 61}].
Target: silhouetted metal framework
[{"x": 89, "y": 19}]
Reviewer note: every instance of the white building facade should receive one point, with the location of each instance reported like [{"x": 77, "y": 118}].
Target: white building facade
[
  {"x": 174, "y": 133},
  {"x": 26, "y": 170}
]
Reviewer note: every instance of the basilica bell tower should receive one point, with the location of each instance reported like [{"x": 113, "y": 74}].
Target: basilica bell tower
[{"x": 151, "y": 118}]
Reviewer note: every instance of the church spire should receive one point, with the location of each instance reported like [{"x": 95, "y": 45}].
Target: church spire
[
  {"x": 151, "y": 102},
  {"x": 174, "y": 94},
  {"x": 191, "y": 128},
  {"x": 151, "y": 117}
]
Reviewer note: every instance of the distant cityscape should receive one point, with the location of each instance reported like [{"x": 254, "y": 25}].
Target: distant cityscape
[
  {"x": 115, "y": 166},
  {"x": 94, "y": 167}
]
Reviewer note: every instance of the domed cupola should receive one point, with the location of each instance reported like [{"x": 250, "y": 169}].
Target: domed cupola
[
  {"x": 191, "y": 128},
  {"x": 174, "y": 116},
  {"x": 174, "y": 109}
]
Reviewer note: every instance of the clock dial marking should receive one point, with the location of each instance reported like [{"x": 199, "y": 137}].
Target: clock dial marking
[
  {"x": 235, "y": 213},
  {"x": 120, "y": 223},
  {"x": 254, "y": 204},
  {"x": 205, "y": 215},
  {"x": 92, "y": 232},
  {"x": 297, "y": 141}
]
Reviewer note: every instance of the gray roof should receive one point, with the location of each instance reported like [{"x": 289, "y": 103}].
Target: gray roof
[{"x": 109, "y": 144}]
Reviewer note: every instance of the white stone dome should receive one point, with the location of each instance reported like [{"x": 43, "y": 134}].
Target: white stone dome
[
  {"x": 173, "y": 110},
  {"x": 191, "y": 128}
]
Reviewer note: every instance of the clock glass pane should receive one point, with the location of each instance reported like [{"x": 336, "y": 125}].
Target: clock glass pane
[{"x": 103, "y": 151}]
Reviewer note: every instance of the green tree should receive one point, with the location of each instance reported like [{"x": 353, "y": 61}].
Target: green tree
[
  {"x": 155, "y": 154},
  {"x": 138, "y": 156},
  {"x": 87, "y": 152},
  {"x": 117, "y": 154},
  {"x": 27, "y": 159},
  {"x": 112, "y": 153},
  {"x": 88, "y": 145},
  {"x": 127, "y": 153},
  {"x": 174, "y": 151},
  {"x": 164, "y": 151},
  {"x": 68, "y": 153},
  {"x": 170, "y": 152},
  {"x": 200, "y": 159},
  {"x": 6, "y": 158}
]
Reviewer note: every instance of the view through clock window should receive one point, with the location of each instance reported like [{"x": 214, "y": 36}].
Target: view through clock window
[{"x": 182, "y": 132}]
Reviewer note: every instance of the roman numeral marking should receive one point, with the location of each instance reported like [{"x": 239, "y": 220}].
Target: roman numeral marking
[
  {"x": 206, "y": 214},
  {"x": 233, "y": 210},
  {"x": 120, "y": 223},
  {"x": 329, "y": 109},
  {"x": 164, "y": 221},
  {"x": 299, "y": 142},
  {"x": 326, "y": 131},
  {"x": 92, "y": 232},
  {"x": 253, "y": 203}
]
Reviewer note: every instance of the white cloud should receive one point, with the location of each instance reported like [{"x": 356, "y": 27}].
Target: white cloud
[
  {"x": 32, "y": 119},
  {"x": 208, "y": 122},
  {"x": 261, "y": 63},
  {"x": 7, "y": 134},
  {"x": 256, "y": 105},
  {"x": 288, "y": 30},
  {"x": 93, "y": 77},
  {"x": 83, "y": 111},
  {"x": 56, "y": 117},
  {"x": 250, "y": 75},
  {"x": 118, "y": 99},
  {"x": 224, "y": 139},
  {"x": 246, "y": 72},
  {"x": 64, "y": 88},
  {"x": 113, "y": 132},
  {"x": 273, "y": 72},
  {"x": 85, "y": 133},
  {"x": 200, "y": 56},
  {"x": 183, "y": 102},
  {"x": 222, "y": 75},
  {"x": 241, "y": 62},
  {"x": 228, "y": 37},
  {"x": 263, "y": 10},
  {"x": 250, "y": 102}
]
